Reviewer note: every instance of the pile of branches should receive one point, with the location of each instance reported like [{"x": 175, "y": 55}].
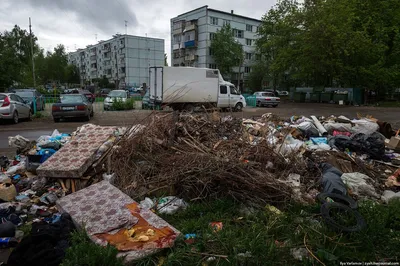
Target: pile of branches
[{"x": 201, "y": 157}]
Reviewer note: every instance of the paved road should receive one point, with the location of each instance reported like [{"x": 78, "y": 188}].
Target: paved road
[{"x": 36, "y": 128}]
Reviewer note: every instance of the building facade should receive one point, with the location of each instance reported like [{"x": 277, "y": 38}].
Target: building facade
[
  {"x": 192, "y": 32},
  {"x": 124, "y": 60}
]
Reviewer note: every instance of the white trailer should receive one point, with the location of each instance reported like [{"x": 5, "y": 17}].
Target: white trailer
[{"x": 184, "y": 88}]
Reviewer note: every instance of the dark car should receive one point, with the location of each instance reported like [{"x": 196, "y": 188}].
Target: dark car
[
  {"x": 32, "y": 96},
  {"x": 90, "y": 96},
  {"x": 72, "y": 106},
  {"x": 104, "y": 92}
]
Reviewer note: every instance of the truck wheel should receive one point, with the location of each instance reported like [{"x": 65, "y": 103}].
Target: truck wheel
[{"x": 239, "y": 107}]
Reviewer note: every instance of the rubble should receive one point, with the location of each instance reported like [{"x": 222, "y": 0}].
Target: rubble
[{"x": 264, "y": 162}]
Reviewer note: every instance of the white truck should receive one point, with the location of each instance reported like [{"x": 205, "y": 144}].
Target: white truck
[{"x": 185, "y": 88}]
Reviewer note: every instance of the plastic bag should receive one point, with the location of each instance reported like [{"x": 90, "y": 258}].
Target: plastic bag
[
  {"x": 4, "y": 178},
  {"x": 308, "y": 129},
  {"x": 389, "y": 195},
  {"x": 341, "y": 127},
  {"x": 109, "y": 178},
  {"x": 18, "y": 142},
  {"x": 17, "y": 169},
  {"x": 170, "y": 205},
  {"x": 364, "y": 126},
  {"x": 146, "y": 204},
  {"x": 55, "y": 133},
  {"x": 290, "y": 145},
  {"x": 357, "y": 182},
  {"x": 7, "y": 192},
  {"x": 331, "y": 180}
]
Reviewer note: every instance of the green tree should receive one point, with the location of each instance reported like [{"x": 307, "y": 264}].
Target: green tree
[
  {"x": 226, "y": 51},
  {"x": 104, "y": 82},
  {"x": 72, "y": 74}
]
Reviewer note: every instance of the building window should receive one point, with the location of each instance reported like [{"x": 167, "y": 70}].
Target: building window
[
  {"x": 227, "y": 22},
  {"x": 247, "y": 69},
  {"x": 213, "y": 21},
  {"x": 177, "y": 38},
  {"x": 212, "y": 35},
  {"x": 210, "y": 52},
  {"x": 249, "y": 42},
  {"x": 223, "y": 90},
  {"x": 249, "y": 56},
  {"x": 237, "y": 33},
  {"x": 212, "y": 66},
  {"x": 249, "y": 27},
  {"x": 256, "y": 29},
  {"x": 188, "y": 37}
]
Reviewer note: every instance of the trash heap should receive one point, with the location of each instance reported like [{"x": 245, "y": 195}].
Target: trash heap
[{"x": 264, "y": 160}]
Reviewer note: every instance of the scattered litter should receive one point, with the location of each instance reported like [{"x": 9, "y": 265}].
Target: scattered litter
[
  {"x": 357, "y": 182},
  {"x": 216, "y": 226},
  {"x": 299, "y": 253}
]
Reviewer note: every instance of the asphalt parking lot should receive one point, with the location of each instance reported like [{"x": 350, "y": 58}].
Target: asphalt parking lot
[{"x": 45, "y": 125}]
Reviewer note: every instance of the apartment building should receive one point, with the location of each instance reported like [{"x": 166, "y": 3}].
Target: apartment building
[
  {"x": 192, "y": 32},
  {"x": 124, "y": 60}
]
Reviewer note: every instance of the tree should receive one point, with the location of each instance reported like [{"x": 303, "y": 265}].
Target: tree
[
  {"x": 15, "y": 57},
  {"x": 226, "y": 51},
  {"x": 72, "y": 74},
  {"x": 104, "y": 82},
  {"x": 165, "y": 60}
]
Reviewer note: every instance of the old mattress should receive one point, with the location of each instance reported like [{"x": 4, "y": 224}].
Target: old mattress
[
  {"x": 72, "y": 160},
  {"x": 111, "y": 217}
]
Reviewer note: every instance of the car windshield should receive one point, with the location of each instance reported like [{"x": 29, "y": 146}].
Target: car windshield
[
  {"x": 25, "y": 94},
  {"x": 71, "y": 99},
  {"x": 119, "y": 94}
]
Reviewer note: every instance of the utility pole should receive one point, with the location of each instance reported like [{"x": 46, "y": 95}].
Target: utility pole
[
  {"x": 126, "y": 27},
  {"x": 33, "y": 60}
]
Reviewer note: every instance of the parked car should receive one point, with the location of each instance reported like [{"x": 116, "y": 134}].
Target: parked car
[
  {"x": 31, "y": 96},
  {"x": 88, "y": 95},
  {"x": 264, "y": 98},
  {"x": 104, "y": 92},
  {"x": 283, "y": 93},
  {"x": 14, "y": 107},
  {"x": 119, "y": 95},
  {"x": 72, "y": 106}
]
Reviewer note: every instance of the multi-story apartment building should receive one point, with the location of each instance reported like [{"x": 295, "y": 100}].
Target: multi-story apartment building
[
  {"x": 192, "y": 32},
  {"x": 124, "y": 60}
]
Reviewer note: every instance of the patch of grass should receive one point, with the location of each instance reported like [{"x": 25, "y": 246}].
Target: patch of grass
[
  {"x": 38, "y": 115},
  {"x": 388, "y": 104},
  {"x": 84, "y": 252},
  {"x": 268, "y": 237},
  {"x": 119, "y": 105}
]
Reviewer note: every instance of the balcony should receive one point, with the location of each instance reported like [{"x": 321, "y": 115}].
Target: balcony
[
  {"x": 93, "y": 58},
  {"x": 190, "y": 27},
  {"x": 191, "y": 57},
  {"x": 177, "y": 31},
  {"x": 191, "y": 44}
]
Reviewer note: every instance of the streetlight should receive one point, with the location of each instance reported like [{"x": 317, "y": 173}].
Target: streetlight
[{"x": 240, "y": 63}]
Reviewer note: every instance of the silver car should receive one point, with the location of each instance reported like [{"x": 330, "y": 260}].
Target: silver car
[
  {"x": 14, "y": 107},
  {"x": 115, "y": 95},
  {"x": 265, "y": 98}
]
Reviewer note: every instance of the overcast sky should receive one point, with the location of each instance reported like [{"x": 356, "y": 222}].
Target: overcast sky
[{"x": 75, "y": 23}]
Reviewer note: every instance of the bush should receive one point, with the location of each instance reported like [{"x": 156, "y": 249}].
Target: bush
[
  {"x": 38, "y": 115},
  {"x": 119, "y": 105}
]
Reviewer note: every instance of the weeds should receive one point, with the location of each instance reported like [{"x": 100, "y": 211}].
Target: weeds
[
  {"x": 265, "y": 238},
  {"x": 38, "y": 115},
  {"x": 120, "y": 105},
  {"x": 86, "y": 253}
]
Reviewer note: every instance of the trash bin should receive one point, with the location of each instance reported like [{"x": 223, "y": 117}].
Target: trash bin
[
  {"x": 299, "y": 97},
  {"x": 251, "y": 101},
  {"x": 341, "y": 97},
  {"x": 326, "y": 97},
  {"x": 315, "y": 97}
]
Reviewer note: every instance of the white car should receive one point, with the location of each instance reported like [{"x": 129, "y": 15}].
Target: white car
[{"x": 115, "y": 95}]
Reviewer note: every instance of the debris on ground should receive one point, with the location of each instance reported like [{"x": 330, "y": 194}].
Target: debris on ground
[{"x": 96, "y": 175}]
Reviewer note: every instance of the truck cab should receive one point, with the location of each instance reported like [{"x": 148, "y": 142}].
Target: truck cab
[{"x": 229, "y": 97}]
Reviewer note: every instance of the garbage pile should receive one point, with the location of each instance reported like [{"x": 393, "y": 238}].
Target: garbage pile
[{"x": 265, "y": 160}]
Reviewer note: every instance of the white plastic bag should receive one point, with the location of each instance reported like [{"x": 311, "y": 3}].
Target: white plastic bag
[
  {"x": 389, "y": 195},
  {"x": 170, "y": 205},
  {"x": 332, "y": 126},
  {"x": 19, "y": 168},
  {"x": 55, "y": 133},
  {"x": 290, "y": 145},
  {"x": 146, "y": 204},
  {"x": 357, "y": 182},
  {"x": 109, "y": 178},
  {"x": 365, "y": 126}
]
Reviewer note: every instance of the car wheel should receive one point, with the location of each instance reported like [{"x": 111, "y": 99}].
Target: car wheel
[
  {"x": 274, "y": 105},
  {"x": 91, "y": 113},
  {"x": 15, "y": 117},
  {"x": 238, "y": 107},
  {"x": 258, "y": 104},
  {"x": 30, "y": 116},
  {"x": 56, "y": 120}
]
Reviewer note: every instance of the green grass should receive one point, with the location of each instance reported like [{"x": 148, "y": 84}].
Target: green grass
[
  {"x": 388, "y": 104},
  {"x": 257, "y": 233},
  {"x": 84, "y": 252},
  {"x": 38, "y": 115}
]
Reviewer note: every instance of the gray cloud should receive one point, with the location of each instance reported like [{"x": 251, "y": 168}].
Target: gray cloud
[
  {"x": 74, "y": 23},
  {"x": 104, "y": 15}
]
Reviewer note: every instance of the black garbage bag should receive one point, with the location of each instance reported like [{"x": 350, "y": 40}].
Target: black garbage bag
[
  {"x": 373, "y": 145},
  {"x": 46, "y": 245},
  {"x": 331, "y": 180}
]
